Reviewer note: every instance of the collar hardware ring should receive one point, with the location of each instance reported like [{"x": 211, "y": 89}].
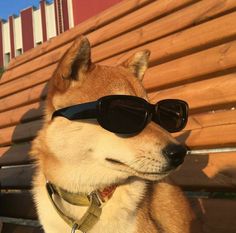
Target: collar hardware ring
[{"x": 74, "y": 228}]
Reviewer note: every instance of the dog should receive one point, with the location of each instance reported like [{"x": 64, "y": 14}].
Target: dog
[{"x": 89, "y": 179}]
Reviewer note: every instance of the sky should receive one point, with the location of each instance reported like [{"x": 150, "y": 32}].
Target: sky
[{"x": 10, "y": 7}]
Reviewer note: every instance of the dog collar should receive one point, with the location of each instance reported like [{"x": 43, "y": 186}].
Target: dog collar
[{"x": 95, "y": 201}]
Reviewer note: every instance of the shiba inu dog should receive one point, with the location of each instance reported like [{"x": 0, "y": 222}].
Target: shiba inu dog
[{"x": 101, "y": 156}]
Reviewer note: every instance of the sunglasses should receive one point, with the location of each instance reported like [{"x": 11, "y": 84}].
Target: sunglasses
[{"x": 124, "y": 114}]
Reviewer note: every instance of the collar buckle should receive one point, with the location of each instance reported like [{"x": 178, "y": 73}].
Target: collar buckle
[{"x": 96, "y": 197}]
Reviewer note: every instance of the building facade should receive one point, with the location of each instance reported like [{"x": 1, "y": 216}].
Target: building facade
[{"x": 33, "y": 26}]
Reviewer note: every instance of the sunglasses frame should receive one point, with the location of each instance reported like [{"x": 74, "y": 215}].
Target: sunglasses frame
[{"x": 92, "y": 110}]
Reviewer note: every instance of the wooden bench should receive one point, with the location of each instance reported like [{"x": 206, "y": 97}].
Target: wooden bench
[{"x": 193, "y": 45}]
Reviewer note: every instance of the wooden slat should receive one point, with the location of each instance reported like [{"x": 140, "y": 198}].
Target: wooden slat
[
  {"x": 38, "y": 63},
  {"x": 209, "y": 32},
  {"x": 22, "y": 98},
  {"x": 27, "y": 81},
  {"x": 220, "y": 135},
  {"x": 215, "y": 215},
  {"x": 203, "y": 94},
  {"x": 21, "y": 132},
  {"x": 85, "y": 27},
  {"x": 213, "y": 172},
  {"x": 12, "y": 203},
  {"x": 203, "y": 120},
  {"x": 15, "y": 154},
  {"x": 178, "y": 44},
  {"x": 207, "y": 93},
  {"x": 137, "y": 18},
  {"x": 189, "y": 67},
  {"x": 174, "y": 22},
  {"x": 204, "y": 131},
  {"x": 16, "y": 177},
  {"x": 9, "y": 228},
  {"x": 131, "y": 20},
  {"x": 21, "y": 114},
  {"x": 196, "y": 121},
  {"x": 197, "y": 12},
  {"x": 209, "y": 213},
  {"x": 151, "y": 78}
]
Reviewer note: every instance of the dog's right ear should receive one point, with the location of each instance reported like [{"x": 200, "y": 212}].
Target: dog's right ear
[{"x": 73, "y": 64}]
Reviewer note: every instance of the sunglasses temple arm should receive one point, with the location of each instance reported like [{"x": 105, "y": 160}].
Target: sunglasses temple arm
[{"x": 80, "y": 111}]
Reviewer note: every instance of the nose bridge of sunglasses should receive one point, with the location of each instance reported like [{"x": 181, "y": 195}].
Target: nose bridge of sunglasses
[{"x": 151, "y": 111}]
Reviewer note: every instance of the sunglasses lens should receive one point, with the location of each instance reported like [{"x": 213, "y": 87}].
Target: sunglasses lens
[
  {"x": 123, "y": 115},
  {"x": 171, "y": 115}
]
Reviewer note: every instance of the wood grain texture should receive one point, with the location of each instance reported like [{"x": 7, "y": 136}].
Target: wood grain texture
[
  {"x": 215, "y": 136},
  {"x": 192, "y": 14},
  {"x": 178, "y": 44},
  {"x": 15, "y": 154},
  {"x": 207, "y": 94},
  {"x": 203, "y": 94},
  {"x": 21, "y": 132},
  {"x": 191, "y": 67},
  {"x": 16, "y": 177},
  {"x": 28, "y": 96},
  {"x": 93, "y": 24},
  {"x": 133, "y": 20},
  {"x": 213, "y": 172},
  {"x": 204, "y": 120},
  {"x": 204, "y": 34},
  {"x": 38, "y": 63},
  {"x": 177, "y": 21},
  {"x": 21, "y": 114},
  {"x": 27, "y": 81},
  {"x": 215, "y": 215},
  {"x": 204, "y": 129},
  {"x": 119, "y": 26}
]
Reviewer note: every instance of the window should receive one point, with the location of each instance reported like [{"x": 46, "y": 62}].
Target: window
[
  {"x": 18, "y": 52},
  {"x": 38, "y": 43},
  {"x": 7, "y": 58}
]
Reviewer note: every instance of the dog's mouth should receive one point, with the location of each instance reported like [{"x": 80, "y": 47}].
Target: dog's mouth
[{"x": 118, "y": 165}]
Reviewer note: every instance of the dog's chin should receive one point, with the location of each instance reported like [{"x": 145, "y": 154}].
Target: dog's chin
[{"x": 151, "y": 176}]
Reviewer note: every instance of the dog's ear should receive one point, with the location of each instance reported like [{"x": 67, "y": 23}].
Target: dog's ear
[
  {"x": 138, "y": 63},
  {"x": 74, "y": 64}
]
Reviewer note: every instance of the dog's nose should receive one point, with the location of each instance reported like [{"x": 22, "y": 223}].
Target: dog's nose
[{"x": 175, "y": 154}]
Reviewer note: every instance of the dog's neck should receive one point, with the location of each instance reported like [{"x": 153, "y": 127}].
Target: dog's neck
[
  {"x": 94, "y": 201},
  {"x": 120, "y": 209}
]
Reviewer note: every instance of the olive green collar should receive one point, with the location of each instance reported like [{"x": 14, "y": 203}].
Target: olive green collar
[{"x": 95, "y": 201}]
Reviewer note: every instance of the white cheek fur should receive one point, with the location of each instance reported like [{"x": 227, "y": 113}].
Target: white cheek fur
[{"x": 82, "y": 148}]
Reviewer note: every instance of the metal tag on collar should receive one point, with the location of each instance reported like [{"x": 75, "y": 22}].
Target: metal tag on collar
[{"x": 95, "y": 196}]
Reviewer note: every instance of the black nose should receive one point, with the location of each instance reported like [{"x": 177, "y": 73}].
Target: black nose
[{"x": 175, "y": 154}]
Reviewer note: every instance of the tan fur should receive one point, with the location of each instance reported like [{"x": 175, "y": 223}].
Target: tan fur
[{"x": 72, "y": 154}]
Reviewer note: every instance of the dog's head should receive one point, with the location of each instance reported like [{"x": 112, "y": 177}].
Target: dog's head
[{"x": 81, "y": 153}]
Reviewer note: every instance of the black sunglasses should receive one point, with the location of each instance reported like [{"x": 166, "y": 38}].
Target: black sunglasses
[{"x": 126, "y": 114}]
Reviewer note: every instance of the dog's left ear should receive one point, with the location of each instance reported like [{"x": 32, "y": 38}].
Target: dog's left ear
[{"x": 138, "y": 63}]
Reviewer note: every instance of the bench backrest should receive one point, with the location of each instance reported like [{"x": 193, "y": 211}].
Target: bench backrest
[{"x": 193, "y": 45}]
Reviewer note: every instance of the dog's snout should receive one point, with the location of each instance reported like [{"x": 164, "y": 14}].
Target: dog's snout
[{"x": 175, "y": 154}]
